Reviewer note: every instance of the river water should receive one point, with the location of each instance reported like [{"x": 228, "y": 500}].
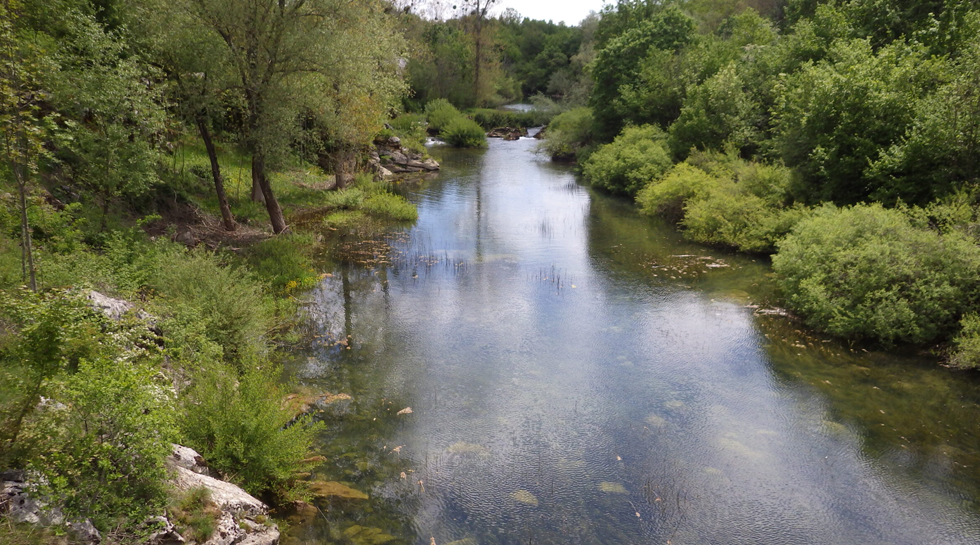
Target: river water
[{"x": 579, "y": 374}]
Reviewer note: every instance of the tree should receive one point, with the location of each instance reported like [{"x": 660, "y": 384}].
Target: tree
[
  {"x": 618, "y": 63},
  {"x": 835, "y": 117},
  {"x": 113, "y": 113},
  {"x": 21, "y": 130},
  {"x": 348, "y": 101},
  {"x": 478, "y": 10},
  {"x": 270, "y": 44},
  {"x": 197, "y": 64}
]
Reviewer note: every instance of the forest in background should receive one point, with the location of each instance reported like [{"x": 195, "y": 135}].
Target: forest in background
[{"x": 839, "y": 137}]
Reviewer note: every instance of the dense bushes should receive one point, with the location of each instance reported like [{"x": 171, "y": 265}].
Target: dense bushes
[
  {"x": 635, "y": 158},
  {"x": 100, "y": 442},
  {"x": 866, "y": 272},
  {"x": 455, "y": 128},
  {"x": 569, "y": 135},
  {"x": 464, "y": 133},
  {"x": 115, "y": 392},
  {"x": 83, "y": 406},
  {"x": 725, "y": 201},
  {"x": 440, "y": 113},
  {"x": 239, "y": 424}
]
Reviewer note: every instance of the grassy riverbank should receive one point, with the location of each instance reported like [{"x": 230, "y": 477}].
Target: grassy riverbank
[{"x": 200, "y": 367}]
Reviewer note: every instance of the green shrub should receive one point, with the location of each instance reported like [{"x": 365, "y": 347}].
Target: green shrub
[
  {"x": 239, "y": 424},
  {"x": 100, "y": 443},
  {"x": 345, "y": 199},
  {"x": 284, "y": 262},
  {"x": 195, "y": 514},
  {"x": 967, "y": 342},
  {"x": 229, "y": 301},
  {"x": 740, "y": 220},
  {"x": 389, "y": 205},
  {"x": 635, "y": 158},
  {"x": 440, "y": 113},
  {"x": 464, "y": 133},
  {"x": 867, "y": 272},
  {"x": 666, "y": 197},
  {"x": 568, "y": 134},
  {"x": 491, "y": 119},
  {"x": 42, "y": 336},
  {"x": 411, "y": 129},
  {"x": 715, "y": 113}
]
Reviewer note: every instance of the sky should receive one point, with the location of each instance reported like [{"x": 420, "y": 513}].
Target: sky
[{"x": 570, "y": 11}]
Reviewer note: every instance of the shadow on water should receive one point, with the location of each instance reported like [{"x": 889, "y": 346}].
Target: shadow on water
[{"x": 579, "y": 374}]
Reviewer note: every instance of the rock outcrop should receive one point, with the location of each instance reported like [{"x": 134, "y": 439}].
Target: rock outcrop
[
  {"x": 390, "y": 158},
  {"x": 507, "y": 133},
  {"x": 17, "y": 504},
  {"x": 241, "y": 518}
]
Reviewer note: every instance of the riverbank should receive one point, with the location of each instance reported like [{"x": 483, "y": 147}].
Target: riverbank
[{"x": 197, "y": 346}]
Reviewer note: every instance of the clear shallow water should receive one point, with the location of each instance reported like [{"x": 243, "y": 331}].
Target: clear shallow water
[{"x": 578, "y": 374}]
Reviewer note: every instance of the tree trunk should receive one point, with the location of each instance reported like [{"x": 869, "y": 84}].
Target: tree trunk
[
  {"x": 27, "y": 250},
  {"x": 271, "y": 204},
  {"x": 219, "y": 183},
  {"x": 344, "y": 161},
  {"x": 479, "y": 56},
  {"x": 257, "y": 195}
]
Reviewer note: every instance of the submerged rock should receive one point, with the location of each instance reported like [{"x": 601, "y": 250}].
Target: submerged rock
[
  {"x": 612, "y": 488},
  {"x": 362, "y": 535},
  {"x": 333, "y": 489},
  {"x": 525, "y": 497}
]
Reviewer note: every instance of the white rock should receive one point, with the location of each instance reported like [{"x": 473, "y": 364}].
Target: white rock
[{"x": 188, "y": 458}]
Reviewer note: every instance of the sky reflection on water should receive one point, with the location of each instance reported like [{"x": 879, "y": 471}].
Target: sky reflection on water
[{"x": 579, "y": 375}]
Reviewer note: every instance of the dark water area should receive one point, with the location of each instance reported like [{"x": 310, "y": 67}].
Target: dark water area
[{"x": 579, "y": 374}]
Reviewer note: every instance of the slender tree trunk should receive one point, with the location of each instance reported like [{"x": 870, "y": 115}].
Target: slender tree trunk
[
  {"x": 344, "y": 160},
  {"x": 479, "y": 57},
  {"x": 271, "y": 204},
  {"x": 257, "y": 195},
  {"x": 219, "y": 183},
  {"x": 27, "y": 250}
]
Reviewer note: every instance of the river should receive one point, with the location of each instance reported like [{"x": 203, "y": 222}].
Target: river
[{"x": 579, "y": 374}]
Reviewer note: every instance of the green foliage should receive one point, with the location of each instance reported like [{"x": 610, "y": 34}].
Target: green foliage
[
  {"x": 345, "y": 199},
  {"x": 239, "y": 424},
  {"x": 726, "y": 201},
  {"x": 411, "y": 129},
  {"x": 284, "y": 262},
  {"x": 966, "y": 343},
  {"x": 462, "y": 132},
  {"x": 195, "y": 514},
  {"x": 618, "y": 63},
  {"x": 715, "y": 113},
  {"x": 43, "y": 336},
  {"x": 729, "y": 217},
  {"x": 866, "y": 272},
  {"x": 635, "y": 158},
  {"x": 228, "y": 301},
  {"x": 113, "y": 113},
  {"x": 568, "y": 134},
  {"x": 668, "y": 196},
  {"x": 102, "y": 452},
  {"x": 491, "y": 119},
  {"x": 440, "y": 113},
  {"x": 391, "y": 206},
  {"x": 835, "y": 116},
  {"x": 941, "y": 148}
]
